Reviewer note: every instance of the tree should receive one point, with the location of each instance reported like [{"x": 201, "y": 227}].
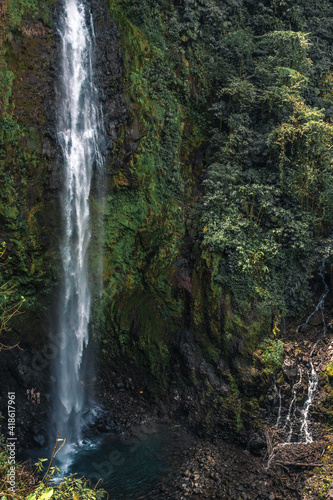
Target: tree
[{"x": 269, "y": 181}]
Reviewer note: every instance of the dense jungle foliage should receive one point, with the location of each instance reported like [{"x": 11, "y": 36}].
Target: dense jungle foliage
[{"x": 233, "y": 171}]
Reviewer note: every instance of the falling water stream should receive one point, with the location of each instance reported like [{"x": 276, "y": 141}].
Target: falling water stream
[
  {"x": 312, "y": 389},
  {"x": 292, "y": 408},
  {"x": 78, "y": 128},
  {"x": 278, "y": 391},
  {"x": 304, "y": 434}
]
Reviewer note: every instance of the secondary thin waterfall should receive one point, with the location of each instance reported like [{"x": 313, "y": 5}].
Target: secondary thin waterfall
[
  {"x": 312, "y": 389},
  {"x": 79, "y": 127}
]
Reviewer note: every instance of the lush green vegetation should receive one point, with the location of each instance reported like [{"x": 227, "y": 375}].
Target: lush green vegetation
[
  {"x": 267, "y": 190},
  {"x": 233, "y": 102},
  {"x": 26, "y": 264}
]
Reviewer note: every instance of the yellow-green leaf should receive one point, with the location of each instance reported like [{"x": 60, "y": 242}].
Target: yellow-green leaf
[{"x": 46, "y": 495}]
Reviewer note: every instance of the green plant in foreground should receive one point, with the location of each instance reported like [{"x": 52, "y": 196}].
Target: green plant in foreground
[
  {"x": 30, "y": 487},
  {"x": 69, "y": 487}
]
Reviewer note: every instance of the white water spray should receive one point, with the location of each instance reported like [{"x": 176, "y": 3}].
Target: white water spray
[{"x": 78, "y": 129}]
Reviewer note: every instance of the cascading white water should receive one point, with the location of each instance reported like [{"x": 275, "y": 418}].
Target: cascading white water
[
  {"x": 304, "y": 434},
  {"x": 292, "y": 408},
  {"x": 279, "y": 409},
  {"x": 312, "y": 389},
  {"x": 313, "y": 378},
  {"x": 78, "y": 128}
]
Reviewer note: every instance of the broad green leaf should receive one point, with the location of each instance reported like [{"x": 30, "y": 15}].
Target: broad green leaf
[{"x": 46, "y": 495}]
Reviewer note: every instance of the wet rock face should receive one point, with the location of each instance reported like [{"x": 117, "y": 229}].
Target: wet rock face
[
  {"x": 20, "y": 370},
  {"x": 34, "y": 61},
  {"x": 108, "y": 72}
]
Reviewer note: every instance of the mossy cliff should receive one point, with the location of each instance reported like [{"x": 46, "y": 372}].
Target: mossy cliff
[
  {"x": 218, "y": 212},
  {"x": 28, "y": 208},
  {"x": 217, "y": 199}
]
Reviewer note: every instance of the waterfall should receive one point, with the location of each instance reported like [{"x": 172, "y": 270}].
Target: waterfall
[
  {"x": 279, "y": 409},
  {"x": 312, "y": 389},
  {"x": 292, "y": 408},
  {"x": 304, "y": 434},
  {"x": 78, "y": 129}
]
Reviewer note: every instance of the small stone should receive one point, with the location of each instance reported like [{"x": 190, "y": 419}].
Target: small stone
[
  {"x": 330, "y": 493},
  {"x": 271, "y": 496}
]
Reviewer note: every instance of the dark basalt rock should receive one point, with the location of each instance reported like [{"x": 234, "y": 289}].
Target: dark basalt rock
[
  {"x": 19, "y": 372},
  {"x": 108, "y": 70}
]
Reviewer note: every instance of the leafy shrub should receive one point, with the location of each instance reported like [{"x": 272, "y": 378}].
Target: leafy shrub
[{"x": 272, "y": 352}]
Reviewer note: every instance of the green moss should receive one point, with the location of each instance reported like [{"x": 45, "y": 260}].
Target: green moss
[
  {"x": 144, "y": 217},
  {"x": 24, "y": 171}
]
